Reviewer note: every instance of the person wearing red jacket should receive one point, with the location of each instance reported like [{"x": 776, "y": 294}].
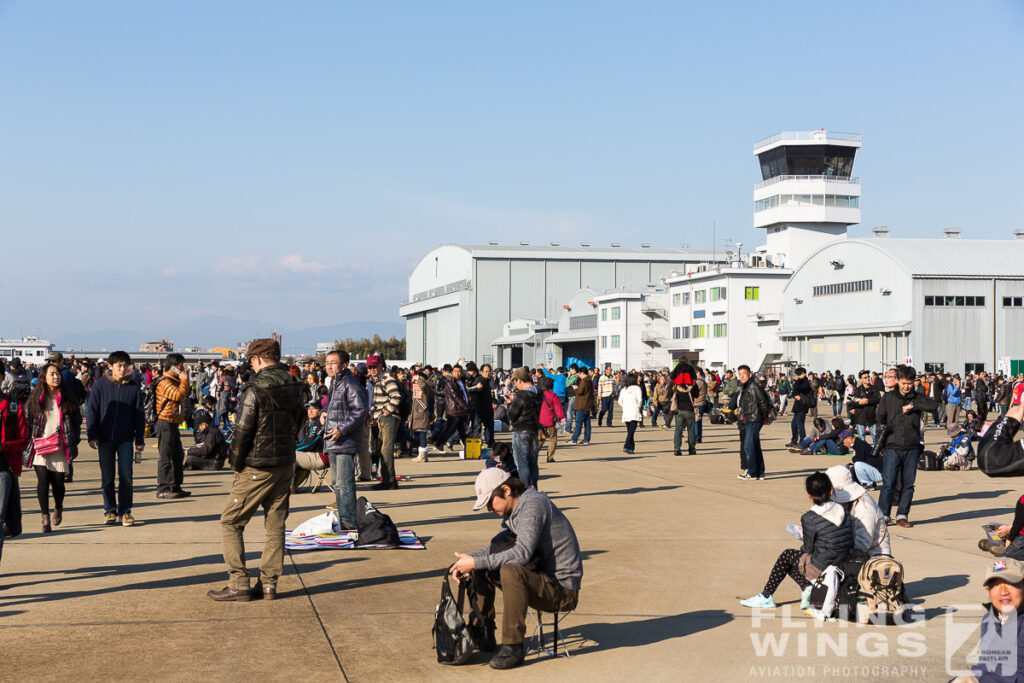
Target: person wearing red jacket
[
  {"x": 13, "y": 441},
  {"x": 551, "y": 414}
]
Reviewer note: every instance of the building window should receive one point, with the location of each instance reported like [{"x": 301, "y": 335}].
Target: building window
[
  {"x": 616, "y": 312},
  {"x": 843, "y": 288},
  {"x": 700, "y": 296},
  {"x": 698, "y": 331},
  {"x": 1013, "y": 301},
  {"x": 686, "y": 298},
  {"x": 616, "y": 341},
  {"x": 677, "y": 332},
  {"x": 720, "y": 330},
  {"x": 583, "y": 322},
  {"x": 970, "y": 301},
  {"x": 751, "y": 293},
  {"x": 718, "y": 293},
  {"x": 677, "y": 299},
  {"x": 604, "y": 342},
  {"x": 699, "y": 314},
  {"x": 604, "y": 314},
  {"x": 934, "y": 367},
  {"x": 974, "y": 367}
]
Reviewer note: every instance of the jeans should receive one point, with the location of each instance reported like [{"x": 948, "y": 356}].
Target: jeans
[
  {"x": 967, "y": 403},
  {"x": 898, "y": 462},
  {"x": 524, "y": 450},
  {"x": 836, "y": 403},
  {"x": 752, "y": 449},
  {"x": 570, "y": 415},
  {"x": 344, "y": 468},
  {"x": 782, "y": 404},
  {"x": 122, "y": 454},
  {"x": 798, "y": 427},
  {"x": 630, "y": 443},
  {"x": 866, "y": 474},
  {"x": 169, "y": 471},
  {"x": 829, "y": 446},
  {"x": 453, "y": 426},
  {"x": 607, "y": 408},
  {"x": 659, "y": 410},
  {"x": 582, "y": 424},
  {"x": 684, "y": 419},
  {"x": 6, "y": 489},
  {"x": 698, "y": 426},
  {"x": 388, "y": 430},
  {"x": 862, "y": 432}
]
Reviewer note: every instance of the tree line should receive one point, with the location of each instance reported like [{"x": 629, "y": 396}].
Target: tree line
[{"x": 393, "y": 348}]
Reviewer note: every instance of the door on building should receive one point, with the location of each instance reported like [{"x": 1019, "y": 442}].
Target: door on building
[{"x": 517, "y": 356}]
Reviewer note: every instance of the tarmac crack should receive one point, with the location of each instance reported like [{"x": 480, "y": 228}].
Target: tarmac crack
[{"x": 316, "y": 612}]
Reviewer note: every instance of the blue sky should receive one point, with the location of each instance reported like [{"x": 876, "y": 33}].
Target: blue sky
[{"x": 290, "y": 162}]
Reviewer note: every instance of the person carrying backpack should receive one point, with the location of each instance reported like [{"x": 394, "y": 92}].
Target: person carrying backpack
[{"x": 827, "y": 532}]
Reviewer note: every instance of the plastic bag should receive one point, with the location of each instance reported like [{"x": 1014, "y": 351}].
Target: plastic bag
[{"x": 324, "y": 523}]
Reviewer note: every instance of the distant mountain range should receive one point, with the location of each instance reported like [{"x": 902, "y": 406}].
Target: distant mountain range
[{"x": 217, "y": 330}]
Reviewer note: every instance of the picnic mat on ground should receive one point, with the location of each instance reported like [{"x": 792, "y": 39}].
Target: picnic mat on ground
[{"x": 407, "y": 537}]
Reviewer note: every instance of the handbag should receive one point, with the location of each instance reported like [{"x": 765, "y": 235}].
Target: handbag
[{"x": 47, "y": 446}]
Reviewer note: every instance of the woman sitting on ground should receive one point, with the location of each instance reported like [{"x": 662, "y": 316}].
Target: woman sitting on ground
[
  {"x": 818, "y": 427},
  {"x": 827, "y": 532},
  {"x": 870, "y": 532}
]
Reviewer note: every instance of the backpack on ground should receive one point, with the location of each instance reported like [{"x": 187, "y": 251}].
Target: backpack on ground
[
  {"x": 825, "y": 593},
  {"x": 929, "y": 462},
  {"x": 452, "y": 638},
  {"x": 849, "y": 563},
  {"x": 881, "y": 582},
  {"x": 375, "y": 528}
]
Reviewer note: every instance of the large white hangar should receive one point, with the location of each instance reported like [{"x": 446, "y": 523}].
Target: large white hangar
[
  {"x": 940, "y": 304},
  {"x": 460, "y": 295}
]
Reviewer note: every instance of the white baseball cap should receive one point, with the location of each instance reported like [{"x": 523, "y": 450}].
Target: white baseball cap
[{"x": 488, "y": 480}]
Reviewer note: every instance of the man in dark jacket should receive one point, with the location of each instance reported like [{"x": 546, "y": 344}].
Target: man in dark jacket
[
  {"x": 343, "y": 433},
  {"x": 583, "y": 406},
  {"x": 863, "y": 406},
  {"x": 524, "y": 416},
  {"x": 211, "y": 448},
  {"x": 115, "y": 421},
  {"x": 899, "y": 414},
  {"x": 456, "y": 410},
  {"x": 979, "y": 394},
  {"x": 481, "y": 394},
  {"x": 752, "y": 405},
  {"x": 684, "y": 390},
  {"x": 263, "y": 457},
  {"x": 803, "y": 398}
]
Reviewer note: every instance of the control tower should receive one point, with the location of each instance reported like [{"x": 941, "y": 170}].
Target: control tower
[{"x": 806, "y": 196}]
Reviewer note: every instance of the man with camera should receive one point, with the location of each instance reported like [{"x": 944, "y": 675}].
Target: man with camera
[
  {"x": 263, "y": 457},
  {"x": 171, "y": 390}
]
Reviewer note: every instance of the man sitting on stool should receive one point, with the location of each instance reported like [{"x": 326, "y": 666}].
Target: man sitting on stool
[
  {"x": 309, "y": 452},
  {"x": 542, "y": 570}
]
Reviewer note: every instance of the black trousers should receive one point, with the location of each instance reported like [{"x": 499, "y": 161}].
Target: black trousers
[
  {"x": 453, "y": 426},
  {"x": 169, "y": 470}
]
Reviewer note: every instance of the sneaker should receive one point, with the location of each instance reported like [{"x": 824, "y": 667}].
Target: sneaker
[
  {"x": 110, "y": 519},
  {"x": 745, "y": 476},
  {"x": 677, "y": 452},
  {"x": 759, "y": 602},
  {"x": 585, "y": 443},
  {"x": 805, "y": 598},
  {"x": 127, "y": 519},
  {"x": 761, "y": 478}
]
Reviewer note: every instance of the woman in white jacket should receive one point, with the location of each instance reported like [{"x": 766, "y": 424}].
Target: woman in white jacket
[
  {"x": 870, "y": 532},
  {"x": 631, "y": 400}
]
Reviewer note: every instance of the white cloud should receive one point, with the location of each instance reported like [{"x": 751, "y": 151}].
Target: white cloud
[{"x": 297, "y": 264}]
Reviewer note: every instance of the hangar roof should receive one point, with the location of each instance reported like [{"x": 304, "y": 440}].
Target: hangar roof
[
  {"x": 951, "y": 257},
  {"x": 592, "y": 253}
]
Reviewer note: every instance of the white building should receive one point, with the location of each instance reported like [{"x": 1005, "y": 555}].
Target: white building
[
  {"x": 461, "y": 296},
  {"x": 632, "y": 329},
  {"x": 524, "y": 342},
  {"x": 938, "y": 304},
  {"x": 575, "y": 341},
  {"x": 29, "y": 349}
]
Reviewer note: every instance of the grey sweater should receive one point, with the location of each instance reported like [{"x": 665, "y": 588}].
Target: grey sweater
[{"x": 541, "y": 531}]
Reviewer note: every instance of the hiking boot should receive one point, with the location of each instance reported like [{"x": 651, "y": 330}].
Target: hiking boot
[
  {"x": 759, "y": 602},
  {"x": 261, "y": 592},
  {"x": 229, "y": 594},
  {"x": 903, "y": 522},
  {"x": 110, "y": 519},
  {"x": 127, "y": 519},
  {"x": 509, "y": 656}
]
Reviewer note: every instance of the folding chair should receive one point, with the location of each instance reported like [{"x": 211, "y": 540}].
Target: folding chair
[
  {"x": 321, "y": 479},
  {"x": 539, "y": 647}
]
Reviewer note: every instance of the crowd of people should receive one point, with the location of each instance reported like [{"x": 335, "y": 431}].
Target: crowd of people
[{"x": 278, "y": 424}]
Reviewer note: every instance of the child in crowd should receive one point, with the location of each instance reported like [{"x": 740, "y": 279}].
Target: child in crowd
[{"x": 827, "y": 532}]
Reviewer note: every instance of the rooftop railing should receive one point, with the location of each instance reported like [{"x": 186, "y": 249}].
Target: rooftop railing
[
  {"x": 829, "y": 178},
  {"x": 825, "y": 136}
]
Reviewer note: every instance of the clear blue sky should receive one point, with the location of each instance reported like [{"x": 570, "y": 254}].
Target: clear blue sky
[{"x": 290, "y": 162}]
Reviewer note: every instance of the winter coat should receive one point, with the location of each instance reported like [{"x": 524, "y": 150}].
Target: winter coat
[
  {"x": 456, "y": 399},
  {"x": 479, "y": 389},
  {"x": 584, "y": 394},
  {"x": 14, "y": 433},
  {"x": 524, "y": 412},
  {"x": 802, "y": 388},
  {"x": 387, "y": 397},
  {"x": 422, "y": 404},
  {"x": 559, "y": 380},
  {"x": 115, "y": 413},
  {"x": 904, "y": 428},
  {"x": 998, "y": 663},
  {"x": 169, "y": 393},
  {"x": 551, "y": 409},
  {"x": 210, "y": 445},
  {"x": 870, "y": 532},
  {"x": 865, "y": 414},
  {"x": 662, "y": 395},
  {"x": 70, "y": 429},
  {"x": 346, "y": 412},
  {"x": 752, "y": 403},
  {"x": 269, "y": 420},
  {"x": 631, "y": 400},
  {"x": 823, "y": 539},
  {"x": 954, "y": 395}
]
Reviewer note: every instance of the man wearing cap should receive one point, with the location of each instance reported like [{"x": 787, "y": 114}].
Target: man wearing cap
[
  {"x": 385, "y": 409},
  {"x": 1001, "y": 650},
  {"x": 524, "y": 418},
  {"x": 870, "y": 532},
  {"x": 542, "y": 569},
  {"x": 263, "y": 456},
  {"x": 343, "y": 433}
]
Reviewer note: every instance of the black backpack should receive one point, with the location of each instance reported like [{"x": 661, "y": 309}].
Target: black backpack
[
  {"x": 453, "y": 640},
  {"x": 849, "y": 562},
  {"x": 375, "y": 528},
  {"x": 929, "y": 461}
]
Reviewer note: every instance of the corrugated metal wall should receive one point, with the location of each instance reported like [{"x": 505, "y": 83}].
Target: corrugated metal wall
[
  {"x": 492, "y": 305},
  {"x": 526, "y": 298},
  {"x": 632, "y": 275},
  {"x": 1010, "y": 321},
  {"x": 414, "y": 327},
  {"x": 563, "y": 279},
  {"x": 656, "y": 271},
  {"x": 449, "y": 325},
  {"x": 597, "y": 275},
  {"x": 953, "y": 335}
]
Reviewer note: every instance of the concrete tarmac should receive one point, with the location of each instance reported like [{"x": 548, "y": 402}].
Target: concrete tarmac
[{"x": 671, "y": 544}]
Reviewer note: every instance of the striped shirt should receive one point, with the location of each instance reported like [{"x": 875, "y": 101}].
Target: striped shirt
[{"x": 387, "y": 397}]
